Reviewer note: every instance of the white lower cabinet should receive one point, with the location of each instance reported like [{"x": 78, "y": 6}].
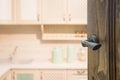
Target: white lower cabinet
[
  {"x": 53, "y": 75},
  {"x": 48, "y": 74},
  {"x": 77, "y": 74},
  {"x": 23, "y": 74},
  {"x": 7, "y": 76},
  {"x": 20, "y": 74}
]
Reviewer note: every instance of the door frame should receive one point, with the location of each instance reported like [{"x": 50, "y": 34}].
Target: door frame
[{"x": 112, "y": 38}]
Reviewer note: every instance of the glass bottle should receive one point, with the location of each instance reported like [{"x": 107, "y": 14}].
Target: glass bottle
[
  {"x": 70, "y": 54},
  {"x": 81, "y": 54}
]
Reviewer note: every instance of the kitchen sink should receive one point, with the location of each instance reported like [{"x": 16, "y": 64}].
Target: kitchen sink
[{"x": 22, "y": 61}]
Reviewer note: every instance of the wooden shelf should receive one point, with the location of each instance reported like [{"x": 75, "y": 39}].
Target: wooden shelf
[{"x": 58, "y": 36}]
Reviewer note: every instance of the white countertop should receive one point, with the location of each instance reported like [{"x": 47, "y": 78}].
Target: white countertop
[{"x": 4, "y": 67}]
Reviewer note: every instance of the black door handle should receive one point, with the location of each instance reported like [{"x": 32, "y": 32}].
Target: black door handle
[{"x": 92, "y": 42}]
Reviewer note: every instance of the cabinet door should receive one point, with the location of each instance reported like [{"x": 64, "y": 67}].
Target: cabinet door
[
  {"x": 26, "y": 75},
  {"x": 6, "y": 11},
  {"x": 53, "y": 11},
  {"x": 77, "y": 11},
  {"x": 53, "y": 75},
  {"x": 77, "y": 75},
  {"x": 27, "y": 11}
]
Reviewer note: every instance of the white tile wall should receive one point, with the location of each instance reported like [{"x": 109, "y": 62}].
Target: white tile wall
[{"x": 30, "y": 45}]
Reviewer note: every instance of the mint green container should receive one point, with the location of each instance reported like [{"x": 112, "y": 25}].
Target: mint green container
[
  {"x": 70, "y": 54},
  {"x": 57, "y": 56}
]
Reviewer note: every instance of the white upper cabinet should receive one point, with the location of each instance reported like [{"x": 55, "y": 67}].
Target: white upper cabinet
[
  {"x": 53, "y": 11},
  {"x": 77, "y": 11},
  {"x": 64, "y": 11},
  {"x": 27, "y": 11},
  {"x": 43, "y": 11},
  {"x": 6, "y": 11}
]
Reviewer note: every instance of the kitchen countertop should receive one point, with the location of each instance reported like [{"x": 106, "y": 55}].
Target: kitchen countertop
[{"x": 4, "y": 67}]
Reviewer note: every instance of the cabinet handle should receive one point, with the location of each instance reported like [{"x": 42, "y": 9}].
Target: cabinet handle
[
  {"x": 69, "y": 17},
  {"x": 64, "y": 18},
  {"x": 41, "y": 76},
  {"x": 38, "y": 17},
  {"x": 81, "y": 72},
  {"x": 13, "y": 75}
]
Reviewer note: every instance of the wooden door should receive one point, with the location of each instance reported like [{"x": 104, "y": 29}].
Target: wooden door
[
  {"x": 98, "y": 61},
  {"x": 117, "y": 40},
  {"x": 54, "y": 11}
]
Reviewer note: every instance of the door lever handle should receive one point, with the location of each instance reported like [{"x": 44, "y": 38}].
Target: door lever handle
[{"x": 92, "y": 42}]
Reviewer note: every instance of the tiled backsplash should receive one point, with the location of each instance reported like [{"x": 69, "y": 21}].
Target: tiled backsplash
[{"x": 29, "y": 43}]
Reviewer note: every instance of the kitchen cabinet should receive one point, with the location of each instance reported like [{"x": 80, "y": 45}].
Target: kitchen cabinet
[
  {"x": 6, "y": 11},
  {"x": 36, "y": 74},
  {"x": 25, "y": 74},
  {"x": 77, "y": 74},
  {"x": 64, "y": 11},
  {"x": 28, "y": 11},
  {"x": 54, "y": 11},
  {"x": 7, "y": 76},
  {"x": 77, "y": 11},
  {"x": 53, "y": 74},
  {"x": 64, "y": 19},
  {"x": 45, "y": 74},
  {"x": 44, "y": 11}
]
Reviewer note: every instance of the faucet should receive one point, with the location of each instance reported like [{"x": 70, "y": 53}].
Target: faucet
[{"x": 13, "y": 53}]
